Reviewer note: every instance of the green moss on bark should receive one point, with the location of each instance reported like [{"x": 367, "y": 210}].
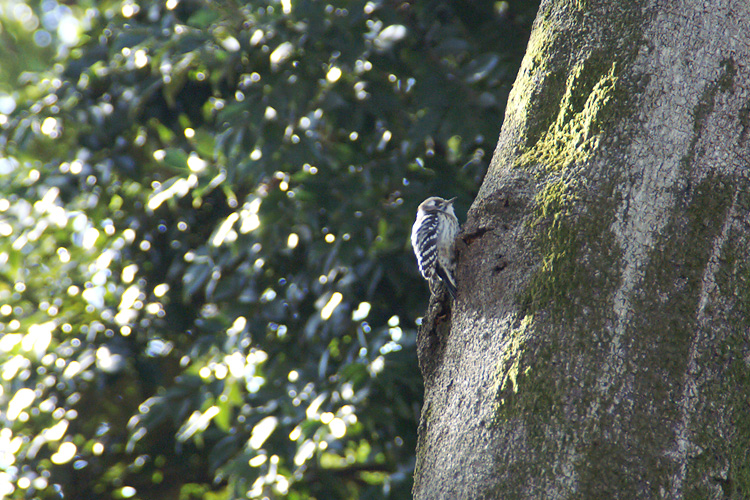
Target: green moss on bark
[
  {"x": 662, "y": 330},
  {"x": 571, "y": 110},
  {"x": 720, "y": 455}
]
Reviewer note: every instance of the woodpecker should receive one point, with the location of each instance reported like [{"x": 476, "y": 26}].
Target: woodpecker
[{"x": 433, "y": 238}]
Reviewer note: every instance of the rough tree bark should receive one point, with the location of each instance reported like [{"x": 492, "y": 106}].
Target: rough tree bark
[{"x": 600, "y": 347}]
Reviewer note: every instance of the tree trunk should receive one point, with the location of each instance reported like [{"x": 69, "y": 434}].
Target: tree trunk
[{"x": 600, "y": 347}]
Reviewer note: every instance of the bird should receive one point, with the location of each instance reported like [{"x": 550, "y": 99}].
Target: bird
[{"x": 433, "y": 238}]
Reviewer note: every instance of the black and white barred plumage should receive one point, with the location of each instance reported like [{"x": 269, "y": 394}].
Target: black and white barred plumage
[{"x": 433, "y": 238}]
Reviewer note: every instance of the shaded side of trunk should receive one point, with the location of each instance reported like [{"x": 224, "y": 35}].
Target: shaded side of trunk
[{"x": 599, "y": 347}]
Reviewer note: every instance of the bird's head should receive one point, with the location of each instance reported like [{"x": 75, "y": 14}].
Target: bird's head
[{"x": 437, "y": 204}]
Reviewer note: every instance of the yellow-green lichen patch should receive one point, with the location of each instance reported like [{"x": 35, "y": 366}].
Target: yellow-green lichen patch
[
  {"x": 510, "y": 362},
  {"x": 580, "y": 258},
  {"x": 574, "y": 133},
  {"x": 567, "y": 228}
]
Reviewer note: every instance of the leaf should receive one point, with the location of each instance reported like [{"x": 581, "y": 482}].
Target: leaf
[
  {"x": 223, "y": 450},
  {"x": 176, "y": 159},
  {"x": 479, "y": 68}
]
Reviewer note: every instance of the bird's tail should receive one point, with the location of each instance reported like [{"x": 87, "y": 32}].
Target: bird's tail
[{"x": 448, "y": 280}]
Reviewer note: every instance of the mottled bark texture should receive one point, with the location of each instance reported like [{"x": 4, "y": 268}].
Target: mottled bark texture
[{"x": 600, "y": 347}]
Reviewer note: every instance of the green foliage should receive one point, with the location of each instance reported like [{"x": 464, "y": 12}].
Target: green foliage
[{"x": 207, "y": 288}]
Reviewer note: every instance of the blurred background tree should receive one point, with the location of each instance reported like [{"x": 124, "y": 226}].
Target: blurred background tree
[{"x": 207, "y": 287}]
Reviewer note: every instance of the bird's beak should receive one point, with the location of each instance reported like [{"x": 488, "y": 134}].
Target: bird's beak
[{"x": 450, "y": 202}]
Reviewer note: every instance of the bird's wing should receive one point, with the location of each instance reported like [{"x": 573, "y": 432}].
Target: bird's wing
[{"x": 424, "y": 241}]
